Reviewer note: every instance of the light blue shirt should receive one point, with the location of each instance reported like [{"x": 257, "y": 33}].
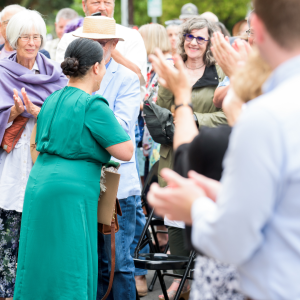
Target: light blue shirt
[
  {"x": 225, "y": 82},
  {"x": 255, "y": 223},
  {"x": 121, "y": 88}
]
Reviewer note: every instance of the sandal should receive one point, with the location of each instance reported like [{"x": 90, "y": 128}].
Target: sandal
[{"x": 185, "y": 293}]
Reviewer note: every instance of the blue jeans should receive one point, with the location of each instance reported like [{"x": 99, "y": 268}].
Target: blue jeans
[{"x": 124, "y": 283}]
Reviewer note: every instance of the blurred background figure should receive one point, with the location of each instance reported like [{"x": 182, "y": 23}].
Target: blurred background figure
[
  {"x": 221, "y": 27},
  {"x": 63, "y": 17},
  {"x": 173, "y": 30},
  {"x": 240, "y": 28},
  {"x": 209, "y": 16},
  {"x": 154, "y": 36},
  {"x": 74, "y": 24},
  {"x": 6, "y": 14},
  {"x": 188, "y": 11},
  {"x": 2, "y": 40},
  {"x": 250, "y": 32}
]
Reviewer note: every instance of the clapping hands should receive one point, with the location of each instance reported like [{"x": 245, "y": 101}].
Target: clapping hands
[
  {"x": 175, "y": 201},
  {"x": 174, "y": 79},
  {"x": 30, "y": 107},
  {"x": 229, "y": 57}
]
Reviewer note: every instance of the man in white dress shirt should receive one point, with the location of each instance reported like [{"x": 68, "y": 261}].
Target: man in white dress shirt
[
  {"x": 131, "y": 53},
  {"x": 253, "y": 220}
]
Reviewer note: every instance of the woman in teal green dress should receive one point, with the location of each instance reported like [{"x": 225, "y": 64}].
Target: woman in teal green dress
[{"x": 76, "y": 134}]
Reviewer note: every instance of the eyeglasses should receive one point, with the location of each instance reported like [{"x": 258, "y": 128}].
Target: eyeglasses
[
  {"x": 250, "y": 32},
  {"x": 27, "y": 38},
  {"x": 200, "y": 40}
]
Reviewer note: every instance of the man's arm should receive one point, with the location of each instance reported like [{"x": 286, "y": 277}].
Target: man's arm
[
  {"x": 120, "y": 59},
  {"x": 135, "y": 55},
  {"x": 219, "y": 96},
  {"x": 127, "y": 103},
  {"x": 231, "y": 229}
]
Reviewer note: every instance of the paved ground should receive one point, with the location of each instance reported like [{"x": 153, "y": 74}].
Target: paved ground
[{"x": 157, "y": 290}]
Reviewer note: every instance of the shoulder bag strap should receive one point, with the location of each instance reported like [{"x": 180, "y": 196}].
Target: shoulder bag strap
[{"x": 113, "y": 259}]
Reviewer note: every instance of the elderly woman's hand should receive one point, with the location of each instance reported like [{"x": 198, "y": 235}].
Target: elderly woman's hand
[
  {"x": 30, "y": 107},
  {"x": 228, "y": 57},
  {"x": 19, "y": 107},
  {"x": 175, "y": 201},
  {"x": 174, "y": 79}
]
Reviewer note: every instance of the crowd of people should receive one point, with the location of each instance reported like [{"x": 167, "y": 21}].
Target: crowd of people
[{"x": 225, "y": 143}]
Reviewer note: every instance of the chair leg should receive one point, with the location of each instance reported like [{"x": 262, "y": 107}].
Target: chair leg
[
  {"x": 155, "y": 239},
  {"x": 185, "y": 275},
  {"x": 151, "y": 286},
  {"x": 162, "y": 285}
]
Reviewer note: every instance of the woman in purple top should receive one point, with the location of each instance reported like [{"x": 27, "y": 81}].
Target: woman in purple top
[{"x": 27, "y": 68}]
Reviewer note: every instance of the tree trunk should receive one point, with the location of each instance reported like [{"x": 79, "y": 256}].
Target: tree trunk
[{"x": 130, "y": 12}]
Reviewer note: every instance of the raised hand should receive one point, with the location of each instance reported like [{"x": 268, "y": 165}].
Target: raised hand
[
  {"x": 229, "y": 57},
  {"x": 211, "y": 187},
  {"x": 19, "y": 107},
  {"x": 30, "y": 107},
  {"x": 174, "y": 79},
  {"x": 175, "y": 201}
]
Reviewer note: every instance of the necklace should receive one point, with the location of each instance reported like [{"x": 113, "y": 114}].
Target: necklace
[{"x": 195, "y": 68}]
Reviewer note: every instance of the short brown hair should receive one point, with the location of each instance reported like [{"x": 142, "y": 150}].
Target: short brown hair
[{"x": 281, "y": 18}]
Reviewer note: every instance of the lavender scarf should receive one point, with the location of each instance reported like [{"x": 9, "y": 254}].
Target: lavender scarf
[{"x": 38, "y": 86}]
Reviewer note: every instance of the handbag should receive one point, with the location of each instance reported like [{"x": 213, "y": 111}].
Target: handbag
[
  {"x": 108, "y": 209},
  {"x": 159, "y": 122},
  {"x": 13, "y": 133}
]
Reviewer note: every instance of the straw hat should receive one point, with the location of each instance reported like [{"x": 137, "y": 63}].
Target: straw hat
[{"x": 98, "y": 28}]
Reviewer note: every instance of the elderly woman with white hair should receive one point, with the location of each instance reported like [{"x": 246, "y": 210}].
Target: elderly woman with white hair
[{"x": 31, "y": 74}]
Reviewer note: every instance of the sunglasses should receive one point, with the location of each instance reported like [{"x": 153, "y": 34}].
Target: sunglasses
[{"x": 200, "y": 40}]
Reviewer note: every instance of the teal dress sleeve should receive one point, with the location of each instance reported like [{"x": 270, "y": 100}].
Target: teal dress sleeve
[{"x": 102, "y": 123}]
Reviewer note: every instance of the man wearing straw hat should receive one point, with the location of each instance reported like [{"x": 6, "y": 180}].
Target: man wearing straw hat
[
  {"x": 121, "y": 87},
  {"x": 131, "y": 54}
]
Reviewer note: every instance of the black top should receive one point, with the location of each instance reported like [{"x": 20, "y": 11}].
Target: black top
[{"x": 203, "y": 155}]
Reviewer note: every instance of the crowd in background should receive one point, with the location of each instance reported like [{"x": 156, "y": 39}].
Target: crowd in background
[{"x": 225, "y": 145}]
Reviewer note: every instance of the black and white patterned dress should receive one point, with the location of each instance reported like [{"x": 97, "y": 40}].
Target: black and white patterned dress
[
  {"x": 214, "y": 281},
  {"x": 10, "y": 223}
]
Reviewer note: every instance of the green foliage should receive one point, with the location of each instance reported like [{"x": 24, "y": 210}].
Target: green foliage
[
  {"x": 228, "y": 11},
  {"x": 77, "y": 6}
]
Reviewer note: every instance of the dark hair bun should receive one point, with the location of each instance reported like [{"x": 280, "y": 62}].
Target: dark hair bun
[
  {"x": 80, "y": 56},
  {"x": 70, "y": 66}
]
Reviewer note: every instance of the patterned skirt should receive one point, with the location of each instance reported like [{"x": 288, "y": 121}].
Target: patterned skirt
[
  {"x": 10, "y": 223},
  {"x": 215, "y": 281}
]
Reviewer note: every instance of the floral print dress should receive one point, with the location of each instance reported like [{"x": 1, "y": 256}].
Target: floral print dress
[{"x": 10, "y": 224}]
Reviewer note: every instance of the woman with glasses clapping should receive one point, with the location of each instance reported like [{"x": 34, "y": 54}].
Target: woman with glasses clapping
[
  {"x": 24, "y": 73},
  {"x": 204, "y": 77}
]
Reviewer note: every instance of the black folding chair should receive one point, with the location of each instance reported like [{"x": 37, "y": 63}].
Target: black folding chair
[
  {"x": 155, "y": 260},
  {"x": 162, "y": 262}
]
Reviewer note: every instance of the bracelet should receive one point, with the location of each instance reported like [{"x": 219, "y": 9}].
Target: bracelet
[{"x": 185, "y": 104}]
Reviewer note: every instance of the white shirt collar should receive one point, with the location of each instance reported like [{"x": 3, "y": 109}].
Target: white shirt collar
[{"x": 35, "y": 67}]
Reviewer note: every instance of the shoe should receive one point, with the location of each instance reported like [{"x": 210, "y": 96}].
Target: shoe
[
  {"x": 141, "y": 285},
  {"x": 185, "y": 293}
]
